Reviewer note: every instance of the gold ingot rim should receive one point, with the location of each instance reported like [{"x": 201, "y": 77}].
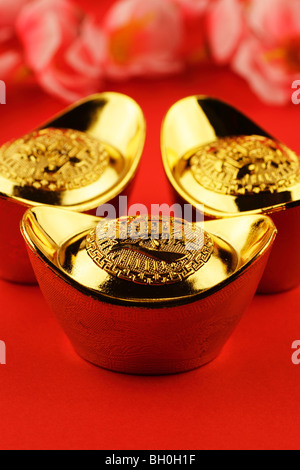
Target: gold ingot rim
[
  {"x": 198, "y": 121},
  {"x": 117, "y": 123},
  {"x": 58, "y": 237}
]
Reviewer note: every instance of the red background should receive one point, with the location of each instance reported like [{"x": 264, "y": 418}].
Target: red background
[{"x": 247, "y": 399}]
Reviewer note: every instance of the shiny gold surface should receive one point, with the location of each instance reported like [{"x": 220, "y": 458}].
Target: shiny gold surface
[
  {"x": 120, "y": 324},
  {"x": 79, "y": 160},
  {"x": 164, "y": 259},
  {"x": 53, "y": 160},
  {"x": 245, "y": 165},
  {"x": 216, "y": 156},
  {"x": 149, "y": 273}
]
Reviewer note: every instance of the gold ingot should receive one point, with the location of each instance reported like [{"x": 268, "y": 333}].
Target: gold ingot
[
  {"x": 215, "y": 156},
  {"x": 83, "y": 158},
  {"x": 147, "y": 295}
]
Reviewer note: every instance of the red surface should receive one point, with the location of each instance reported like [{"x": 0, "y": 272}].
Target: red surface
[{"x": 247, "y": 399}]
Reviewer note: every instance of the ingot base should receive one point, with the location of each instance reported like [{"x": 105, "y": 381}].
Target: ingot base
[
  {"x": 148, "y": 341},
  {"x": 283, "y": 269}
]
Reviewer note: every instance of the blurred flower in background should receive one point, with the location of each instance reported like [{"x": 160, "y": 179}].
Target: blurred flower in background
[
  {"x": 269, "y": 54},
  {"x": 70, "y": 53},
  {"x": 225, "y": 29},
  {"x": 11, "y": 54},
  {"x": 62, "y": 47},
  {"x": 194, "y": 46},
  {"x": 143, "y": 38}
]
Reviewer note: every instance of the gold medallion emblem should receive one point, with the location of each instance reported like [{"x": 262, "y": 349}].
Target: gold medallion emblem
[
  {"x": 245, "y": 165},
  {"x": 151, "y": 251},
  {"x": 53, "y": 160}
]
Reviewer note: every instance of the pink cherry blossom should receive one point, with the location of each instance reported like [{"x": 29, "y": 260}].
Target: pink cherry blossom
[
  {"x": 11, "y": 56},
  {"x": 144, "y": 38},
  {"x": 269, "y": 55},
  {"x": 69, "y": 53},
  {"x": 63, "y": 47},
  {"x": 225, "y": 26}
]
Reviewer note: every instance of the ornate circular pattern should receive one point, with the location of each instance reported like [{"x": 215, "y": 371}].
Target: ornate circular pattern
[
  {"x": 53, "y": 160},
  {"x": 150, "y": 251},
  {"x": 245, "y": 165}
]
